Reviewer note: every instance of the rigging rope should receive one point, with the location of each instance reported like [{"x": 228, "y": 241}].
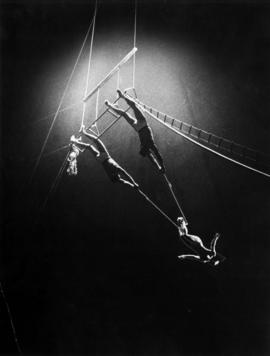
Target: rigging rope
[
  {"x": 56, "y": 150},
  {"x": 118, "y": 79},
  {"x": 149, "y": 112},
  {"x": 97, "y": 102},
  {"x": 175, "y": 198},
  {"x": 10, "y": 319},
  {"x": 47, "y": 117},
  {"x": 89, "y": 63},
  {"x": 55, "y": 182},
  {"x": 60, "y": 103},
  {"x": 157, "y": 208},
  {"x": 134, "y": 44}
]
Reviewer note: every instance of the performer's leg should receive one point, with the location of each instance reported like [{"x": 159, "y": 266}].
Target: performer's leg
[
  {"x": 132, "y": 103},
  {"x": 195, "y": 243},
  {"x": 193, "y": 239}
]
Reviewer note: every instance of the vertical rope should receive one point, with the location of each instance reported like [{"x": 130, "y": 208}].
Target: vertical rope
[
  {"x": 134, "y": 44},
  {"x": 174, "y": 197},
  {"x": 10, "y": 319},
  {"x": 59, "y": 105},
  {"x": 89, "y": 64},
  {"x": 97, "y": 102},
  {"x": 55, "y": 182},
  {"x": 118, "y": 79}
]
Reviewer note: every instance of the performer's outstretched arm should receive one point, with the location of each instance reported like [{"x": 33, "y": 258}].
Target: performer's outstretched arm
[
  {"x": 132, "y": 103},
  {"x": 121, "y": 112},
  {"x": 84, "y": 145},
  {"x": 127, "y": 179},
  {"x": 100, "y": 145},
  {"x": 189, "y": 257}
]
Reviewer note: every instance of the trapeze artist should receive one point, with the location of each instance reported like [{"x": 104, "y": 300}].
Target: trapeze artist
[
  {"x": 204, "y": 254},
  {"x": 114, "y": 171},
  {"x": 139, "y": 123}
]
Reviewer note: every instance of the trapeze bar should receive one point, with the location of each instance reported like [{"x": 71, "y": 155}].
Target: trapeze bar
[
  {"x": 114, "y": 121},
  {"x": 112, "y": 72},
  {"x": 107, "y": 128},
  {"x": 102, "y": 114}
]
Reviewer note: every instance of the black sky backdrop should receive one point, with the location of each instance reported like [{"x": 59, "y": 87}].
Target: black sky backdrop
[{"x": 96, "y": 271}]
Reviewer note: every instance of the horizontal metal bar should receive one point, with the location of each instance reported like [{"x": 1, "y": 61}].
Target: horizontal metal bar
[{"x": 112, "y": 72}]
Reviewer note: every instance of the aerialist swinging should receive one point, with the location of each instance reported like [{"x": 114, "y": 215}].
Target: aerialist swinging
[
  {"x": 204, "y": 254},
  {"x": 113, "y": 170},
  {"x": 139, "y": 123}
]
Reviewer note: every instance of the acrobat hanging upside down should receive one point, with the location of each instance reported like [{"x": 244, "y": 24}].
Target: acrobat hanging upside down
[
  {"x": 139, "y": 124},
  {"x": 204, "y": 254}
]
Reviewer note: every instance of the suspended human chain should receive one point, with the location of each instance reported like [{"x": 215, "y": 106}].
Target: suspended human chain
[{"x": 116, "y": 173}]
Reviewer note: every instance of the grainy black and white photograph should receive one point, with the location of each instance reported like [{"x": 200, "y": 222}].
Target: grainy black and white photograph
[{"x": 135, "y": 171}]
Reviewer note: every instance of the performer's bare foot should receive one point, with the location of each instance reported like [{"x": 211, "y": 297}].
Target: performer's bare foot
[
  {"x": 107, "y": 103},
  {"x": 120, "y": 93}
]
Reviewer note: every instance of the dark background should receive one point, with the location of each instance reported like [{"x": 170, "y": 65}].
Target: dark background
[{"x": 96, "y": 271}]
